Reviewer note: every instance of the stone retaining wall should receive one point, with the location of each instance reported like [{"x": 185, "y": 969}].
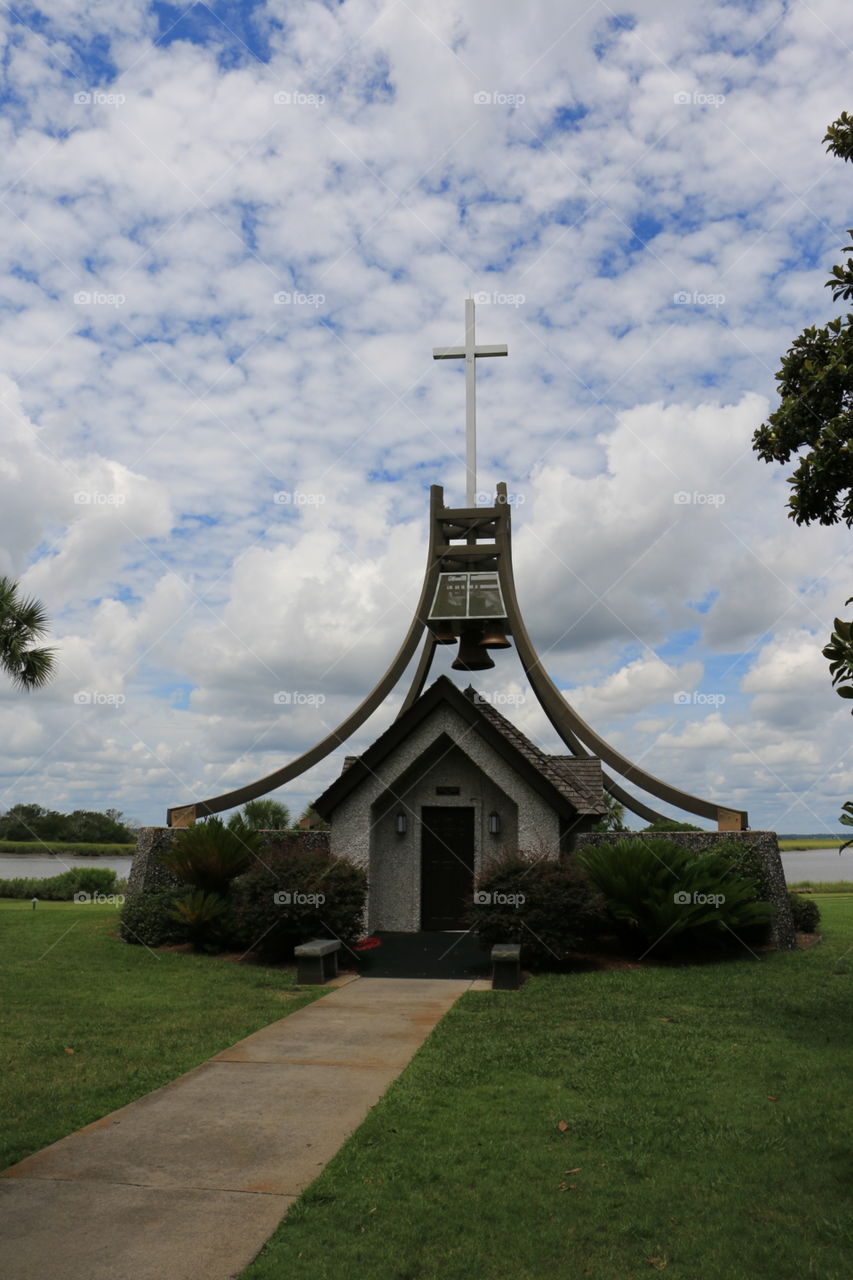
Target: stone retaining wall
[
  {"x": 761, "y": 850},
  {"x": 146, "y": 874}
]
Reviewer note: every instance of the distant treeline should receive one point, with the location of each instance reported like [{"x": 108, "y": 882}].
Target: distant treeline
[{"x": 32, "y": 822}]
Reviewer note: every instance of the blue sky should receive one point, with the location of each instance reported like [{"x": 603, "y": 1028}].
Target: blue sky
[{"x": 233, "y": 234}]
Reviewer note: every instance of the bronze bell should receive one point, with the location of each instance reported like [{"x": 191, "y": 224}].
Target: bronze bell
[
  {"x": 442, "y": 633},
  {"x": 494, "y": 635},
  {"x": 471, "y": 655}
]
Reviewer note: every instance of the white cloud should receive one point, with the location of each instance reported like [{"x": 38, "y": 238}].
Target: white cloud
[
  {"x": 636, "y": 686},
  {"x": 192, "y": 397},
  {"x": 790, "y": 683}
]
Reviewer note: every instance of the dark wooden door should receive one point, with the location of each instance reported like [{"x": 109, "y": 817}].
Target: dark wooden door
[{"x": 447, "y": 866}]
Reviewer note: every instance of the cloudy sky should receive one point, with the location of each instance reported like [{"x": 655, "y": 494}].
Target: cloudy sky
[{"x": 233, "y": 232}]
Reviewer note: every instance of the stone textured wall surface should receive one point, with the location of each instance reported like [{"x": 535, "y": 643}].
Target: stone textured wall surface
[
  {"x": 146, "y": 874},
  {"x": 365, "y": 836},
  {"x": 764, "y": 845}
]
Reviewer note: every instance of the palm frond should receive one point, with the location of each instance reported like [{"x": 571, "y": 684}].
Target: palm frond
[
  {"x": 37, "y": 667},
  {"x": 21, "y": 622}
]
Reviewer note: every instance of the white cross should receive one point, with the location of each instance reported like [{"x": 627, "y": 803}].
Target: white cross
[{"x": 470, "y": 352}]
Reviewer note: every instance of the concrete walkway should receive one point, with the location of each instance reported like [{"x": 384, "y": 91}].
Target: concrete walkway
[{"x": 188, "y": 1182}]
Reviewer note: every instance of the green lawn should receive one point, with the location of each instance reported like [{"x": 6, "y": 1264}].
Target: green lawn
[
  {"x": 607, "y": 1124},
  {"x": 789, "y": 844},
  {"x": 134, "y": 1018},
  {"x": 694, "y": 1121}
]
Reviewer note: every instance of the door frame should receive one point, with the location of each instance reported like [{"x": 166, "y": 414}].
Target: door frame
[{"x": 472, "y": 809}]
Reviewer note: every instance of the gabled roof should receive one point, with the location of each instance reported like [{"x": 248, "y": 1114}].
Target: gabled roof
[
  {"x": 579, "y": 780},
  {"x": 583, "y": 773},
  {"x": 572, "y": 786}
]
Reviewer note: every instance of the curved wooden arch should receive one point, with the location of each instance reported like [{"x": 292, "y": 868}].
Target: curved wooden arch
[
  {"x": 184, "y": 815},
  {"x": 580, "y": 737},
  {"x": 447, "y": 552},
  {"x": 419, "y": 679}
]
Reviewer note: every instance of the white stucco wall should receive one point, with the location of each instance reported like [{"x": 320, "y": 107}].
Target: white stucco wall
[{"x": 367, "y": 837}]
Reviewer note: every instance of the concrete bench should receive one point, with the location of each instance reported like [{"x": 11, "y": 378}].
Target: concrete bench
[
  {"x": 506, "y": 966},
  {"x": 316, "y": 961}
]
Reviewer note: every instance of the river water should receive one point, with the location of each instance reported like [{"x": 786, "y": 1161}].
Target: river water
[
  {"x": 37, "y": 866},
  {"x": 816, "y": 864}
]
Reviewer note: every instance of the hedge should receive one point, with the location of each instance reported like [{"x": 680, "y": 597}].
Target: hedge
[{"x": 61, "y": 888}]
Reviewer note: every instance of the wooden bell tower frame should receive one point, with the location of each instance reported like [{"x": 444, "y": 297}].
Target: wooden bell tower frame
[{"x": 473, "y": 539}]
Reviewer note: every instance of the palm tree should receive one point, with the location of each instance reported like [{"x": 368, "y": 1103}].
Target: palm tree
[
  {"x": 262, "y": 815},
  {"x": 614, "y": 815},
  {"x": 21, "y": 622}
]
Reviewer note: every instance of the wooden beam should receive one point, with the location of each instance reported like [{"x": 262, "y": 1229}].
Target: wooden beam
[
  {"x": 184, "y": 816},
  {"x": 574, "y": 731},
  {"x": 625, "y": 798},
  {"x": 463, "y": 552},
  {"x": 731, "y": 820},
  {"x": 420, "y": 676}
]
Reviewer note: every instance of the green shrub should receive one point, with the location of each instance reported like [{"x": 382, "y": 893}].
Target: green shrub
[
  {"x": 87, "y": 880},
  {"x": 296, "y": 895},
  {"x": 665, "y": 896},
  {"x": 147, "y": 918},
  {"x": 261, "y": 815},
  {"x": 204, "y": 918},
  {"x": 670, "y": 824},
  {"x": 546, "y": 904},
  {"x": 63, "y": 887},
  {"x": 209, "y": 855},
  {"x": 806, "y": 913}
]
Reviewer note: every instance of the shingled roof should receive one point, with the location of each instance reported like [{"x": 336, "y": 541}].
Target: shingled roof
[
  {"x": 571, "y": 784},
  {"x": 579, "y": 780}
]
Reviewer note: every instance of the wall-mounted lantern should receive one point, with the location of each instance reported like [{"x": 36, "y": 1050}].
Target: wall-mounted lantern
[
  {"x": 494, "y": 824},
  {"x": 401, "y": 824}
]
